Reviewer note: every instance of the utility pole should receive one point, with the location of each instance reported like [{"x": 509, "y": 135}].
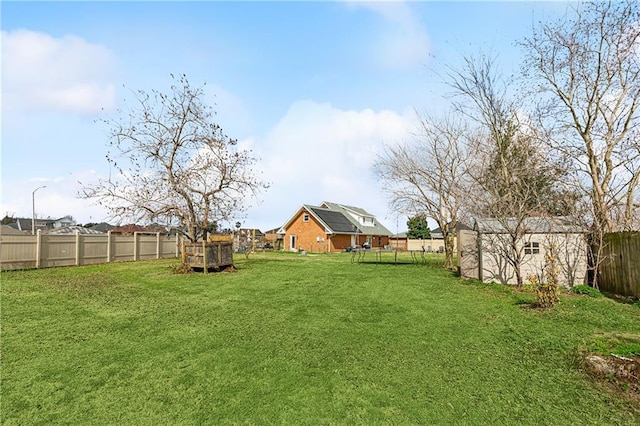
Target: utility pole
[{"x": 33, "y": 209}]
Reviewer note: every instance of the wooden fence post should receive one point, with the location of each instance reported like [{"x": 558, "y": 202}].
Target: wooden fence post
[
  {"x": 77, "y": 247},
  {"x": 38, "y": 247},
  {"x": 108, "y": 246},
  {"x": 157, "y": 245},
  {"x": 135, "y": 246}
]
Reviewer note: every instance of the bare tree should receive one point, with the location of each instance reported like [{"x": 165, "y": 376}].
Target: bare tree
[
  {"x": 425, "y": 175},
  {"x": 586, "y": 70},
  {"x": 173, "y": 163},
  {"x": 512, "y": 179}
]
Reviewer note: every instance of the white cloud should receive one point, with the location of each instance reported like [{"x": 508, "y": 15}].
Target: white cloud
[
  {"x": 230, "y": 110},
  {"x": 61, "y": 74},
  {"x": 315, "y": 153},
  {"x": 403, "y": 42},
  {"x": 320, "y": 153},
  {"x": 57, "y": 199}
]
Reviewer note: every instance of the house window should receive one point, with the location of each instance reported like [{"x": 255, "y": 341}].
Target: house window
[
  {"x": 305, "y": 217},
  {"x": 532, "y": 248}
]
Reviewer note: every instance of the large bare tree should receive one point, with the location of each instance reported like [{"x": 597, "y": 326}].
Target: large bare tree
[
  {"x": 585, "y": 68},
  {"x": 511, "y": 178},
  {"x": 425, "y": 176},
  {"x": 174, "y": 164}
]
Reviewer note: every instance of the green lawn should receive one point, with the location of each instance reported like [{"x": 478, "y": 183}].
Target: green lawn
[{"x": 292, "y": 339}]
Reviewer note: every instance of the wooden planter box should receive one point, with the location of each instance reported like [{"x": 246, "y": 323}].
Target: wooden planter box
[{"x": 208, "y": 255}]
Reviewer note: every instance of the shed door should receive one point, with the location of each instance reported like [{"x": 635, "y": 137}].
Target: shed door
[{"x": 468, "y": 256}]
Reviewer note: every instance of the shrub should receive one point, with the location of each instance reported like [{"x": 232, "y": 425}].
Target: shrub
[
  {"x": 547, "y": 291},
  {"x": 585, "y": 289},
  {"x": 181, "y": 268}
]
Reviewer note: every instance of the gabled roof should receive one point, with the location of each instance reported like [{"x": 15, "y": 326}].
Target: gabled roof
[
  {"x": 336, "y": 221},
  {"x": 336, "y": 206},
  {"x": 532, "y": 225},
  {"x": 8, "y": 230},
  {"x": 72, "y": 230},
  {"x": 339, "y": 219},
  {"x": 351, "y": 212},
  {"x": 24, "y": 224},
  {"x": 102, "y": 227}
]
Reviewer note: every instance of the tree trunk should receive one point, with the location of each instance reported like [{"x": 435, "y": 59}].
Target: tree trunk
[{"x": 448, "y": 250}]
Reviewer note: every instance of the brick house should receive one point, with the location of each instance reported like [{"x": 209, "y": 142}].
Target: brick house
[{"x": 332, "y": 227}]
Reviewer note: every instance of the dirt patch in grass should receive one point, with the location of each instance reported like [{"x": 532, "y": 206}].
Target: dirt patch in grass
[
  {"x": 619, "y": 372},
  {"x": 614, "y": 359}
]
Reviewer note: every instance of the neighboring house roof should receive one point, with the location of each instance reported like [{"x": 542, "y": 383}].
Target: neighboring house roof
[
  {"x": 340, "y": 219},
  {"x": 64, "y": 221},
  {"x": 102, "y": 227},
  {"x": 24, "y": 224},
  {"x": 9, "y": 230},
  {"x": 72, "y": 230},
  {"x": 436, "y": 234},
  {"x": 400, "y": 235},
  {"x": 532, "y": 225},
  {"x": 131, "y": 228}
]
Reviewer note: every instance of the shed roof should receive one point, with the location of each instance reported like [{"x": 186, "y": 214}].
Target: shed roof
[{"x": 532, "y": 225}]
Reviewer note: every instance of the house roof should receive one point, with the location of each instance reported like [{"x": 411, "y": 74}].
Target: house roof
[
  {"x": 102, "y": 227},
  {"x": 336, "y": 221},
  {"x": 131, "y": 228},
  {"x": 532, "y": 225},
  {"x": 72, "y": 230},
  {"x": 400, "y": 235},
  {"x": 24, "y": 224},
  {"x": 9, "y": 230},
  {"x": 340, "y": 219},
  {"x": 353, "y": 213}
]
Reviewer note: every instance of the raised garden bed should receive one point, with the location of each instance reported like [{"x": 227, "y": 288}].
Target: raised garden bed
[{"x": 208, "y": 255}]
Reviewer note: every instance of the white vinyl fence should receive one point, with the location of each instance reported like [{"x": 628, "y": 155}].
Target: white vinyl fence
[{"x": 44, "y": 250}]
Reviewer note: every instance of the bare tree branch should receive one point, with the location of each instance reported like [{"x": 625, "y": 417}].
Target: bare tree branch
[{"x": 174, "y": 163}]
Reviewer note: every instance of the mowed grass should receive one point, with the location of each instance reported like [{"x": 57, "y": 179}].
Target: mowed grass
[{"x": 290, "y": 339}]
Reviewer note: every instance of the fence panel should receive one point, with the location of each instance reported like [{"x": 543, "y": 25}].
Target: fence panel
[
  {"x": 620, "y": 270},
  {"x": 147, "y": 247},
  {"x": 57, "y": 250},
  {"x": 17, "y": 251},
  {"x": 94, "y": 249},
  {"x": 123, "y": 248},
  {"x": 46, "y": 250}
]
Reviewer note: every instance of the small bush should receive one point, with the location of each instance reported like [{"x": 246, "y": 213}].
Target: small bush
[
  {"x": 181, "y": 268},
  {"x": 585, "y": 289}
]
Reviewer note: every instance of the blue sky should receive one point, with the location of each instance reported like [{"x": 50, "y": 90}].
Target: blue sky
[{"x": 314, "y": 88}]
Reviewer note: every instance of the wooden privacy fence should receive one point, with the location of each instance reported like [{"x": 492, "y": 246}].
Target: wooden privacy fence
[
  {"x": 620, "y": 271},
  {"x": 46, "y": 250}
]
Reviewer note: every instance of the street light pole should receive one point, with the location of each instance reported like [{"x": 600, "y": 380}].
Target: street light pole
[{"x": 33, "y": 209}]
